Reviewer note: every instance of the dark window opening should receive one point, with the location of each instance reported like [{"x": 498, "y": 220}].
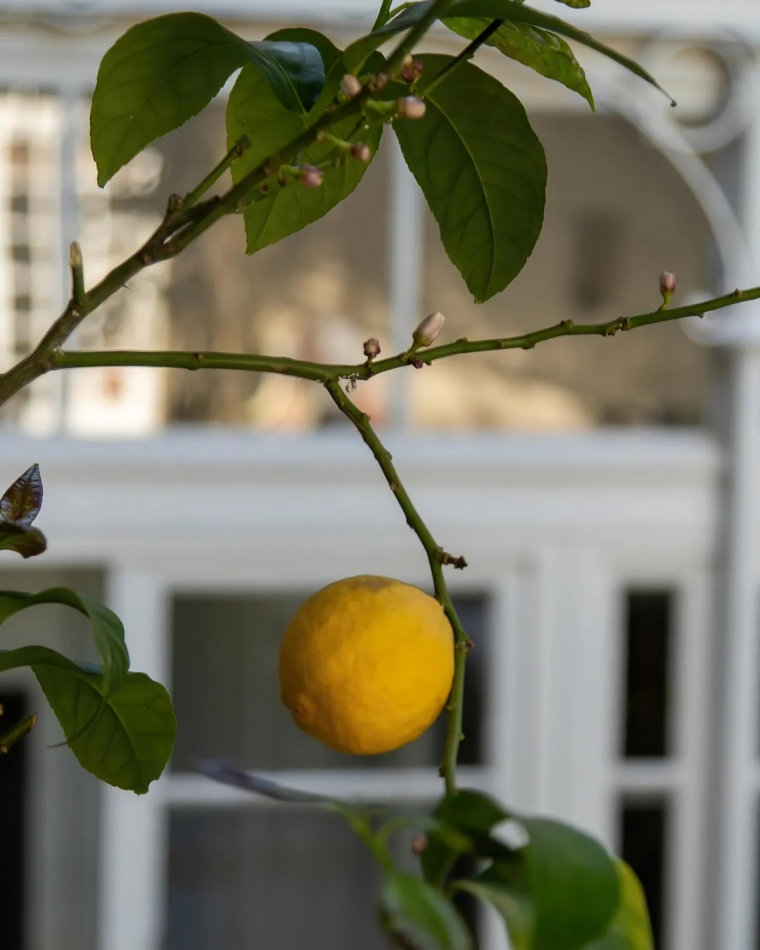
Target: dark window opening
[
  {"x": 643, "y": 837},
  {"x": 12, "y": 808},
  {"x": 648, "y": 649}
]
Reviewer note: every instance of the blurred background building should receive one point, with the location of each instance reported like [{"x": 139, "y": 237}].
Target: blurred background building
[{"x": 604, "y": 492}]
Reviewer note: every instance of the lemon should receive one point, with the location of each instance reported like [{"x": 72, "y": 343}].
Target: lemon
[{"x": 366, "y": 664}]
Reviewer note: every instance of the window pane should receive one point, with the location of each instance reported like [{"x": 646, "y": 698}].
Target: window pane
[
  {"x": 648, "y": 650},
  {"x": 282, "y": 880},
  {"x": 643, "y": 836},
  {"x": 226, "y": 689},
  {"x": 13, "y": 778}
]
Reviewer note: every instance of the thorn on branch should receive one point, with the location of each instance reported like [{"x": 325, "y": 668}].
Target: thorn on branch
[
  {"x": 738, "y": 293},
  {"x": 567, "y": 324},
  {"x": 625, "y": 323}
]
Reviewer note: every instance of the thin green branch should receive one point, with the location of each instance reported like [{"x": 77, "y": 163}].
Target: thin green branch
[
  {"x": 436, "y": 556},
  {"x": 239, "y": 148},
  {"x": 467, "y": 53},
  {"x": 383, "y": 15},
  {"x": 76, "y": 262}
]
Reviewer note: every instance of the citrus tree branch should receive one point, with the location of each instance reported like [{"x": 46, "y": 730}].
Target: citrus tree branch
[
  {"x": 326, "y": 372},
  {"x": 436, "y": 556}
]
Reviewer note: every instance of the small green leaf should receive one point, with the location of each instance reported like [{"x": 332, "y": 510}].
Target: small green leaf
[
  {"x": 125, "y": 738},
  {"x": 28, "y": 542},
  {"x": 540, "y": 50},
  {"x": 483, "y": 172},
  {"x": 22, "y": 501},
  {"x": 518, "y": 13},
  {"x": 576, "y": 4},
  {"x": 505, "y": 888},
  {"x": 253, "y": 110},
  {"x": 107, "y": 629},
  {"x": 630, "y": 928},
  {"x": 298, "y": 34},
  {"x": 15, "y": 733},
  {"x": 421, "y": 915},
  {"x": 471, "y": 811},
  {"x": 165, "y": 70}
]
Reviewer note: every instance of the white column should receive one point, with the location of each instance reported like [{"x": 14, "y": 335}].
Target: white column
[
  {"x": 133, "y": 833},
  {"x": 406, "y": 259}
]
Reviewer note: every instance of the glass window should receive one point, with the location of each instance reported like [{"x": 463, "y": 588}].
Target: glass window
[
  {"x": 643, "y": 844},
  {"x": 226, "y": 689},
  {"x": 649, "y": 645},
  {"x": 13, "y": 814},
  {"x": 617, "y": 215}
]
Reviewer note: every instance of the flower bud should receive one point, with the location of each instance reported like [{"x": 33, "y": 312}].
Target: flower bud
[
  {"x": 350, "y": 86},
  {"x": 411, "y": 68},
  {"x": 417, "y": 363},
  {"x": 378, "y": 82},
  {"x": 427, "y": 332},
  {"x": 371, "y": 348},
  {"x": 410, "y": 107},
  {"x": 419, "y": 843},
  {"x": 667, "y": 287},
  {"x": 361, "y": 151},
  {"x": 311, "y": 177}
]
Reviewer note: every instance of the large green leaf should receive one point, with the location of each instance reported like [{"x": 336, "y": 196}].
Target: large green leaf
[
  {"x": 630, "y": 928},
  {"x": 508, "y": 894},
  {"x": 572, "y": 882},
  {"x": 254, "y": 110},
  {"x": 125, "y": 738},
  {"x": 483, "y": 172},
  {"x": 421, "y": 915},
  {"x": 519, "y": 13},
  {"x": 107, "y": 629},
  {"x": 509, "y": 10},
  {"x": 165, "y": 70},
  {"x": 546, "y": 53}
]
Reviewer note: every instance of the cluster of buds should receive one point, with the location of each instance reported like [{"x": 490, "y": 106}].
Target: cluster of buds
[
  {"x": 378, "y": 82},
  {"x": 410, "y": 107},
  {"x": 667, "y": 287},
  {"x": 411, "y": 69},
  {"x": 428, "y": 330},
  {"x": 371, "y": 348},
  {"x": 350, "y": 86}
]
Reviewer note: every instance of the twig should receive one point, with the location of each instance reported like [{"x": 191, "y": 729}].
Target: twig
[
  {"x": 383, "y": 15},
  {"x": 78, "y": 292},
  {"x": 467, "y": 53},
  {"x": 239, "y": 148},
  {"x": 435, "y": 555}
]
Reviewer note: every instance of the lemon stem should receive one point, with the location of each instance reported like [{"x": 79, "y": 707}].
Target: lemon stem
[{"x": 437, "y": 557}]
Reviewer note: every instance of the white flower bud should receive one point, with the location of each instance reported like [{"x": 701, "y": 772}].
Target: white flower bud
[
  {"x": 361, "y": 151},
  {"x": 410, "y": 107},
  {"x": 350, "y": 86},
  {"x": 371, "y": 348},
  {"x": 667, "y": 282},
  {"x": 427, "y": 332}
]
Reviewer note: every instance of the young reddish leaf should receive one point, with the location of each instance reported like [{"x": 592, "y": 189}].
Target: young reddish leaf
[{"x": 22, "y": 501}]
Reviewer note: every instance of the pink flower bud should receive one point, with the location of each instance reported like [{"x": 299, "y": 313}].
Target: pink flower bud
[
  {"x": 311, "y": 177},
  {"x": 410, "y": 107},
  {"x": 350, "y": 86},
  {"x": 371, "y": 348},
  {"x": 427, "y": 332},
  {"x": 667, "y": 283},
  {"x": 411, "y": 68},
  {"x": 419, "y": 843},
  {"x": 361, "y": 151},
  {"x": 417, "y": 363}
]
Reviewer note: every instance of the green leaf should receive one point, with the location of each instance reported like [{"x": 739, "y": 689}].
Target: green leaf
[
  {"x": 572, "y": 882},
  {"x": 358, "y": 51},
  {"x": 483, "y": 172},
  {"x": 125, "y": 738},
  {"x": 576, "y": 4},
  {"x": 471, "y": 811},
  {"x": 28, "y": 542},
  {"x": 107, "y": 629},
  {"x": 540, "y": 50},
  {"x": 298, "y": 34},
  {"x": 518, "y": 13},
  {"x": 421, "y": 915},
  {"x": 505, "y": 888},
  {"x": 17, "y": 732},
  {"x": 630, "y": 928},
  {"x": 165, "y": 70},
  {"x": 253, "y": 110}
]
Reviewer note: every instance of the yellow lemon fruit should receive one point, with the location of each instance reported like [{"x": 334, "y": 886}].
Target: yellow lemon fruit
[{"x": 366, "y": 665}]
